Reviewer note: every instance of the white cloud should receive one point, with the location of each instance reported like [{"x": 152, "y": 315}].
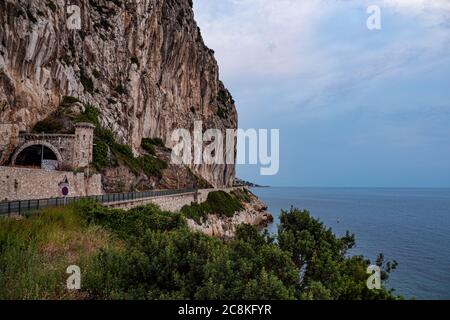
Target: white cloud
[
  {"x": 286, "y": 44},
  {"x": 259, "y": 37},
  {"x": 433, "y": 12},
  {"x": 419, "y": 5}
]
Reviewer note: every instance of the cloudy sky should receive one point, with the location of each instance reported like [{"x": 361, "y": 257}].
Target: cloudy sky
[{"x": 354, "y": 107}]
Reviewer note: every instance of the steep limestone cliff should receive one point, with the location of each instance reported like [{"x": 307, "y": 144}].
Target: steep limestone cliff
[{"x": 141, "y": 63}]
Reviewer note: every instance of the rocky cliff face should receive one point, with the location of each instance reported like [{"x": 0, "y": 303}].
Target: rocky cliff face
[
  {"x": 142, "y": 64},
  {"x": 254, "y": 213}
]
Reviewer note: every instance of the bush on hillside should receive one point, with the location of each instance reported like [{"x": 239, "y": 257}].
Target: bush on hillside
[
  {"x": 217, "y": 202},
  {"x": 148, "y": 146},
  {"x": 100, "y": 155},
  {"x": 48, "y": 125},
  {"x": 147, "y": 253}
]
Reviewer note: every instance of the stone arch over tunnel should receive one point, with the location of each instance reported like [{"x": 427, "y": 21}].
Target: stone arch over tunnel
[{"x": 37, "y": 154}]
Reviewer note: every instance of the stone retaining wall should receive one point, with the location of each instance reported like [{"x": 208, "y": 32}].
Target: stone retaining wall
[
  {"x": 24, "y": 183},
  {"x": 168, "y": 203}
]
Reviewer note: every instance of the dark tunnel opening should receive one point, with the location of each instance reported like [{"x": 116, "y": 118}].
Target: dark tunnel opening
[{"x": 32, "y": 157}]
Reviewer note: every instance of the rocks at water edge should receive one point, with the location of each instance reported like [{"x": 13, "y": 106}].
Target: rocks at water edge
[{"x": 254, "y": 213}]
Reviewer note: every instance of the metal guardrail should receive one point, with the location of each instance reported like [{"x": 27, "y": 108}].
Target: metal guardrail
[{"x": 22, "y": 206}]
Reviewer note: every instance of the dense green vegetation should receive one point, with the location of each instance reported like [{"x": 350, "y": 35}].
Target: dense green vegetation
[
  {"x": 148, "y": 146},
  {"x": 100, "y": 155},
  {"x": 217, "y": 202},
  {"x": 68, "y": 100},
  {"x": 327, "y": 271},
  {"x": 152, "y": 166},
  {"x": 243, "y": 195},
  {"x": 35, "y": 252},
  {"x": 147, "y": 253},
  {"x": 48, "y": 125}
]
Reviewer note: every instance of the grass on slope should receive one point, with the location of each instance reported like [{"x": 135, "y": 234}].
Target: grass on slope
[{"x": 35, "y": 252}]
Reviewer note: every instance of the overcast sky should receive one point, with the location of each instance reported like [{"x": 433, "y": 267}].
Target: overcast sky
[{"x": 354, "y": 107}]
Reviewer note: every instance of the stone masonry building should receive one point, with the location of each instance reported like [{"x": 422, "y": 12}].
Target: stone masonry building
[
  {"x": 54, "y": 151},
  {"x": 33, "y": 165}
]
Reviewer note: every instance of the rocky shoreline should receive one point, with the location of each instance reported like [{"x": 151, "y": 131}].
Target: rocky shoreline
[{"x": 254, "y": 213}]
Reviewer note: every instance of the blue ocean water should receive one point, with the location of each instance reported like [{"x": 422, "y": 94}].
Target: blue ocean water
[{"x": 411, "y": 226}]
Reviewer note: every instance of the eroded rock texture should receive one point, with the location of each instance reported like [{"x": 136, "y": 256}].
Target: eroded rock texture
[
  {"x": 142, "y": 63},
  {"x": 254, "y": 213}
]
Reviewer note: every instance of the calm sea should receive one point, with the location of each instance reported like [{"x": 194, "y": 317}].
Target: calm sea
[{"x": 411, "y": 226}]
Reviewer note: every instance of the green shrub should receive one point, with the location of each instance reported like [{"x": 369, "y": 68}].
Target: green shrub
[
  {"x": 196, "y": 211},
  {"x": 124, "y": 154},
  {"x": 222, "y": 113},
  {"x": 48, "y": 125},
  {"x": 223, "y": 203},
  {"x": 100, "y": 155},
  {"x": 148, "y": 146},
  {"x": 200, "y": 182},
  {"x": 155, "y": 141},
  {"x": 123, "y": 149},
  {"x": 152, "y": 166},
  {"x": 105, "y": 135},
  {"x": 243, "y": 195},
  {"x": 217, "y": 202},
  {"x": 132, "y": 223},
  {"x": 89, "y": 115},
  {"x": 222, "y": 97},
  {"x": 68, "y": 100}
]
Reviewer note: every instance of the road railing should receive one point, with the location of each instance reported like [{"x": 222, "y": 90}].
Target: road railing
[{"x": 21, "y": 206}]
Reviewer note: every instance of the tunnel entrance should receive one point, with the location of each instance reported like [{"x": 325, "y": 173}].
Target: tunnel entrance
[{"x": 37, "y": 156}]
